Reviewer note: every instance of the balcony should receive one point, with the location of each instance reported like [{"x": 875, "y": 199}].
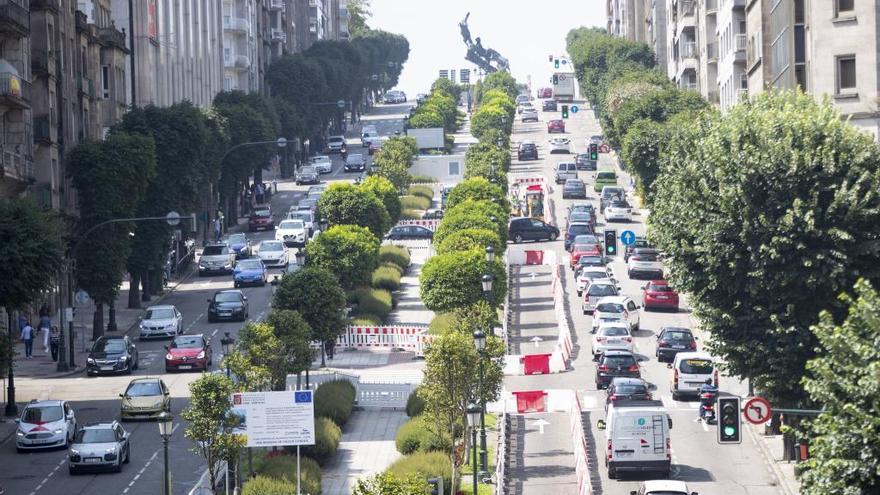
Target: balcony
[
  {"x": 279, "y": 35},
  {"x": 42, "y": 130},
  {"x": 16, "y": 166},
  {"x": 15, "y": 19},
  {"x": 237, "y": 62},
  {"x": 276, "y": 5},
  {"x": 739, "y": 47},
  {"x": 711, "y": 6},
  {"x": 689, "y": 51},
  {"x": 112, "y": 37},
  {"x": 85, "y": 86},
  {"x": 14, "y": 91},
  {"x": 82, "y": 22},
  {"x": 53, "y": 5},
  {"x": 688, "y": 86},
  {"x": 41, "y": 62},
  {"x": 712, "y": 52},
  {"x": 236, "y": 24}
]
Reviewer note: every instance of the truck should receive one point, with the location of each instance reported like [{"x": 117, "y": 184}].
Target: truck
[
  {"x": 638, "y": 439},
  {"x": 428, "y": 138},
  {"x": 563, "y": 86}
]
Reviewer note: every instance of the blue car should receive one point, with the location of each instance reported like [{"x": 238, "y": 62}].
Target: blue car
[
  {"x": 251, "y": 271},
  {"x": 240, "y": 245}
]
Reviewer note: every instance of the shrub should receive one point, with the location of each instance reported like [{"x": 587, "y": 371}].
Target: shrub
[
  {"x": 283, "y": 468},
  {"x": 453, "y": 280},
  {"x": 335, "y": 400},
  {"x": 262, "y": 485},
  {"x": 415, "y": 404},
  {"x": 399, "y": 255},
  {"x": 393, "y": 266},
  {"x": 425, "y": 464},
  {"x": 423, "y": 179},
  {"x": 410, "y": 214},
  {"x": 442, "y": 323},
  {"x": 375, "y": 301},
  {"x": 426, "y": 192},
  {"x": 467, "y": 239},
  {"x": 366, "y": 320},
  {"x": 327, "y": 437},
  {"x": 414, "y": 436},
  {"x": 386, "y": 278},
  {"x": 415, "y": 202}
]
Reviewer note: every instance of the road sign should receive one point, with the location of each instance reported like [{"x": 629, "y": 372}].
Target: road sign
[
  {"x": 340, "y": 103},
  {"x": 274, "y": 419},
  {"x": 541, "y": 423},
  {"x": 757, "y": 410},
  {"x": 173, "y": 218},
  {"x": 282, "y": 142},
  {"x": 574, "y": 109},
  {"x": 82, "y": 297},
  {"x": 628, "y": 237}
]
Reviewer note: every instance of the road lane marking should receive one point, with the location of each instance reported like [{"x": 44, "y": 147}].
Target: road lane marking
[
  {"x": 194, "y": 322},
  {"x": 214, "y": 332}
]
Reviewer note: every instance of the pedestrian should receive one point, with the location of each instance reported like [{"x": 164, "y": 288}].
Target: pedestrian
[
  {"x": 27, "y": 336},
  {"x": 54, "y": 340},
  {"x": 260, "y": 193},
  {"x": 44, "y": 326},
  {"x": 218, "y": 228}
]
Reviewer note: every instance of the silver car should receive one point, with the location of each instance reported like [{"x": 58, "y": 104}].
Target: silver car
[
  {"x": 306, "y": 216},
  {"x": 161, "y": 321},
  {"x": 307, "y": 175},
  {"x": 216, "y": 258},
  {"x": 273, "y": 253},
  {"x": 99, "y": 446}
]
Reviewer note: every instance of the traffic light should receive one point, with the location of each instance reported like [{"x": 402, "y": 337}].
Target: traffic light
[
  {"x": 564, "y": 111},
  {"x": 436, "y": 485},
  {"x": 728, "y": 420},
  {"x": 594, "y": 151},
  {"x": 555, "y": 79},
  {"x": 556, "y": 63},
  {"x": 610, "y": 243},
  {"x": 551, "y": 57}
]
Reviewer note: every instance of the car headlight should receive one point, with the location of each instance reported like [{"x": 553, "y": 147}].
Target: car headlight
[
  {"x": 201, "y": 355},
  {"x": 111, "y": 450},
  {"x": 227, "y": 265},
  {"x": 20, "y": 433},
  {"x": 123, "y": 359},
  {"x": 59, "y": 431},
  {"x": 74, "y": 452},
  {"x": 157, "y": 404},
  {"x": 90, "y": 361},
  {"x": 169, "y": 356},
  {"x": 203, "y": 264}
]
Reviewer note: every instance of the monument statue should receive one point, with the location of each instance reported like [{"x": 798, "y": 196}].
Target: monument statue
[{"x": 485, "y": 58}]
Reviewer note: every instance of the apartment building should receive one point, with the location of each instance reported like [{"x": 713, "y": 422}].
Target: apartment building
[
  {"x": 16, "y": 141},
  {"x": 682, "y": 51},
  {"x": 628, "y": 19},
  {"x": 707, "y": 36},
  {"x": 731, "y": 34},
  {"x": 656, "y": 31}
]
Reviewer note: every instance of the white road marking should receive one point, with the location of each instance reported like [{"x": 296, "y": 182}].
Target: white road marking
[
  {"x": 214, "y": 332},
  {"x": 194, "y": 322}
]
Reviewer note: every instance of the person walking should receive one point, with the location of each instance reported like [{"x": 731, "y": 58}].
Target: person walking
[
  {"x": 44, "y": 326},
  {"x": 218, "y": 228},
  {"x": 27, "y": 336},
  {"x": 260, "y": 193}
]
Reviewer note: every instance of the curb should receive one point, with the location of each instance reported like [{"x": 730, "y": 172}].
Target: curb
[{"x": 783, "y": 485}]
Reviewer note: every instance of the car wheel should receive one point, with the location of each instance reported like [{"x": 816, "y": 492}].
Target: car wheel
[
  {"x": 553, "y": 236},
  {"x": 118, "y": 467},
  {"x": 211, "y": 319},
  {"x": 612, "y": 474},
  {"x": 635, "y": 327},
  {"x": 518, "y": 238},
  {"x": 128, "y": 369},
  {"x": 70, "y": 469},
  {"x": 235, "y": 284},
  {"x": 580, "y": 293},
  {"x": 676, "y": 395},
  {"x": 128, "y": 454},
  {"x": 137, "y": 363}
]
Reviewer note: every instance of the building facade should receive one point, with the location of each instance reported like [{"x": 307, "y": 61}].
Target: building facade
[
  {"x": 16, "y": 141},
  {"x": 731, "y": 36},
  {"x": 628, "y": 19}
]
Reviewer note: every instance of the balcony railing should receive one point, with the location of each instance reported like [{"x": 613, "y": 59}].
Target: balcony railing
[
  {"x": 17, "y": 166},
  {"x": 689, "y": 49},
  {"x": 689, "y": 86},
  {"x": 236, "y": 24},
  {"x": 113, "y": 37},
  {"x": 279, "y": 35},
  {"x": 739, "y": 42},
  {"x": 16, "y": 90},
  {"x": 14, "y": 18},
  {"x": 53, "y": 5}
]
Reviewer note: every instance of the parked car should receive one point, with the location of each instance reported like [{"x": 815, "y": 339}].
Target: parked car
[
  {"x": 549, "y": 106},
  {"x": 690, "y": 371},
  {"x": 616, "y": 364},
  {"x": 595, "y": 291},
  {"x": 240, "y": 245},
  {"x": 672, "y": 340},
  {"x": 335, "y": 144},
  {"x": 527, "y": 151},
  {"x": 584, "y": 163},
  {"x": 291, "y": 233},
  {"x": 618, "y": 211},
  {"x": 617, "y": 308},
  {"x": 227, "y": 305},
  {"x": 574, "y": 188},
  {"x": 216, "y": 258},
  {"x": 261, "y": 219},
  {"x": 161, "y": 321},
  {"x": 657, "y": 294},
  {"x": 555, "y": 125},
  {"x": 322, "y": 164},
  {"x": 621, "y": 389},
  {"x": 189, "y": 352},
  {"x": 529, "y": 114},
  {"x": 605, "y": 178},
  {"x": 99, "y": 445},
  {"x": 644, "y": 261},
  {"x": 596, "y": 139},
  {"x": 611, "y": 337},
  {"x": 45, "y": 424},
  {"x": 112, "y": 354},
  {"x": 395, "y": 96},
  {"x": 421, "y": 97},
  {"x": 307, "y": 175},
  {"x": 530, "y": 229},
  {"x": 273, "y": 254},
  {"x": 145, "y": 398},
  {"x": 355, "y": 162},
  {"x": 565, "y": 171},
  {"x": 250, "y": 272},
  {"x": 410, "y": 232}
]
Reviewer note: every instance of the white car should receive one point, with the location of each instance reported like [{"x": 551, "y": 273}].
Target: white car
[
  {"x": 591, "y": 273},
  {"x": 161, "y": 321},
  {"x": 45, "y": 424},
  {"x": 291, "y": 233},
  {"x": 322, "y": 164},
  {"x": 529, "y": 113},
  {"x": 616, "y": 308},
  {"x": 690, "y": 371},
  {"x": 273, "y": 253},
  {"x": 560, "y": 145},
  {"x": 335, "y": 144},
  {"x": 644, "y": 261},
  {"x": 618, "y": 211},
  {"x": 307, "y": 216},
  {"x": 596, "y": 291},
  {"x": 663, "y": 487},
  {"x": 522, "y": 107},
  {"x": 612, "y": 337}
]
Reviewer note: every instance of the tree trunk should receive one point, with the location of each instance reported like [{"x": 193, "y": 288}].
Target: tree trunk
[
  {"x": 258, "y": 175},
  {"x": 134, "y": 292},
  {"x": 145, "y": 284},
  {"x": 111, "y": 323},
  {"x": 156, "y": 282},
  {"x": 98, "y": 321}
]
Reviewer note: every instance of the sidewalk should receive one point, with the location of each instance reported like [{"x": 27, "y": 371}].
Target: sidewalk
[
  {"x": 771, "y": 448},
  {"x": 541, "y": 459}
]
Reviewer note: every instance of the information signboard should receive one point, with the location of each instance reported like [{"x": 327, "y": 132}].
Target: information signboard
[{"x": 275, "y": 419}]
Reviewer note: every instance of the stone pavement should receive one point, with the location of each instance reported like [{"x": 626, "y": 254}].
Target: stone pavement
[
  {"x": 771, "y": 447},
  {"x": 541, "y": 461}
]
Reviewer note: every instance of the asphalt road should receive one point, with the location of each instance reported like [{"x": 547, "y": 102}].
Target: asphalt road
[
  {"x": 97, "y": 398},
  {"x": 698, "y": 459}
]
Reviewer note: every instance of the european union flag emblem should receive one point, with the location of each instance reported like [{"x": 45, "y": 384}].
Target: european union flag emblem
[{"x": 302, "y": 396}]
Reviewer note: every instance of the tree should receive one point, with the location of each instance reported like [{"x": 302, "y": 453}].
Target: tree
[
  {"x": 387, "y": 194},
  {"x": 358, "y": 13},
  {"x": 454, "y": 279},
  {"x": 768, "y": 213},
  {"x": 490, "y": 116},
  {"x": 631, "y": 84},
  {"x": 640, "y": 154},
  {"x": 294, "y": 355},
  {"x": 472, "y": 209},
  {"x": 389, "y": 484},
  {"x": 349, "y": 251},
  {"x": 315, "y": 294},
  {"x": 658, "y": 105},
  {"x": 845, "y": 438},
  {"x": 476, "y": 189},
  {"x": 347, "y": 204},
  {"x": 209, "y": 423},
  {"x": 466, "y": 221},
  {"x": 467, "y": 239},
  {"x": 255, "y": 357},
  {"x": 394, "y": 159},
  {"x": 499, "y": 80}
]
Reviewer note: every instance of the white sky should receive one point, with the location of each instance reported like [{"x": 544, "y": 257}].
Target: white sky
[{"x": 526, "y": 32}]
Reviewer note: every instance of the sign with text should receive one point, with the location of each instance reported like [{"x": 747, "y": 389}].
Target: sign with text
[{"x": 275, "y": 419}]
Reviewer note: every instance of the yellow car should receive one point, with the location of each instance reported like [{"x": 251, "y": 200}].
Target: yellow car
[{"x": 145, "y": 398}]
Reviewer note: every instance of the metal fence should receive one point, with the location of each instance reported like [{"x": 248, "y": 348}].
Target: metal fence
[{"x": 374, "y": 394}]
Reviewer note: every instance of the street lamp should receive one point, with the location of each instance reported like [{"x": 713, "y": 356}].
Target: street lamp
[
  {"x": 480, "y": 344},
  {"x": 473, "y": 416},
  {"x": 487, "y": 287},
  {"x": 490, "y": 254},
  {"x": 300, "y": 257},
  {"x": 227, "y": 341},
  {"x": 166, "y": 429}
]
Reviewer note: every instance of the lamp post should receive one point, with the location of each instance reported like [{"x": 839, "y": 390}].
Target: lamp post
[
  {"x": 323, "y": 224},
  {"x": 166, "y": 428},
  {"x": 480, "y": 344},
  {"x": 473, "y": 416},
  {"x": 227, "y": 341},
  {"x": 300, "y": 257},
  {"x": 487, "y": 288}
]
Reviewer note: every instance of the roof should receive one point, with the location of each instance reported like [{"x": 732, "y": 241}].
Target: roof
[
  {"x": 228, "y": 290},
  {"x": 96, "y": 424},
  {"x": 145, "y": 379},
  {"x": 633, "y": 381},
  {"x": 613, "y": 299},
  {"x": 658, "y": 282},
  {"x": 665, "y": 486},
  {"x": 616, "y": 352}
]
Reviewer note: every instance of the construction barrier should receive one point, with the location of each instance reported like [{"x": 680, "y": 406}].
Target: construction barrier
[
  {"x": 529, "y": 401},
  {"x": 407, "y": 337},
  {"x": 578, "y": 436},
  {"x": 536, "y": 364},
  {"x": 428, "y": 224}
]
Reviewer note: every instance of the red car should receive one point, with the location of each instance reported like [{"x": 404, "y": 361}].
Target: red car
[
  {"x": 556, "y": 125},
  {"x": 657, "y": 294},
  {"x": 583, "y": 250},
  {"x": 545, "y": 93},
  {"x": 261, "y": 219},
  {"x": 189, "y": 352},
  {"x": 374, "y": 147}
]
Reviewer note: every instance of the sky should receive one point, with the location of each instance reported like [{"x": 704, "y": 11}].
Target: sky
[{"x": 525, "y": 32}]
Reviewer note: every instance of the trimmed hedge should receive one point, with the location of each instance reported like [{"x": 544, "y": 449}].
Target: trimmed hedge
[
  {"x": 426, "y": 192},
  {"x": 327, "y": 437},
  {"x": 386, "y": 278},
  {"x": 399, "y": 255},
  {"x": 410, "y": 214},
  {"x": 441, "y": 324},
  {"x": 263, "y": 485},
  {"x": 426, "y": 465},
  {"x": 414, "y": 436},
  {"x": 376, "y": 301},
  {"x": 414, "y": 203},
  {"x": 335, "y": 400},
  {"x": 283, "y": 467},
  {"x": 422, "y": 179},
  {"x": 394, "y": 267},
  {"x": 415, "y": 404},
  {"x": 366, "y": 320}
]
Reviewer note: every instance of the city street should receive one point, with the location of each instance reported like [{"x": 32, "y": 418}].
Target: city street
[
  {"x": 97, "y": 398},
  {"x": 697, "y": 458}
]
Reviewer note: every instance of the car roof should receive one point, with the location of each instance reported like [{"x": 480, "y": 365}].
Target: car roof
[
  {"x": 228, "y": 290},
  {"x": 161, "y": 306},
  {"x": 573, "y": 224},
  {"x": 676, "y": 329},
  {"x": 658, "y": 282},
  {"x": 645, "y": 250},
  {"x": 666, "y": 485},
  {"x": 44, "y": 403},
  {"x": 694, "y": 355},
  {"x": 99, "y": 425},
  {"x": 601, "y": 281},
  {"x": 618, "y": 353},
  {"x": 613, "y": 299},
  {"x": 625, "y": 380},
  {"x": 146, "y": 379}
]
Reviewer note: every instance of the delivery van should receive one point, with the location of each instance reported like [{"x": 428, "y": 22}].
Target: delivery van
[
  {"x": 689, "y": 372},
  {"x": 637, "y": 435}
]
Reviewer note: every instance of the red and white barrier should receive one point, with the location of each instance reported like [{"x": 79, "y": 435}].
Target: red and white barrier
[
  {"x": 578, "y": 436},
  {"x": 428, "y": 224},
  {"x": 407, "y": 337}
]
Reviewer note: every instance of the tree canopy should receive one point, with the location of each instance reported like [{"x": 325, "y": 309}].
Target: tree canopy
[
  {"x": 315, "y": 294},
  {"x": 454, "y": 279},
  {"x": 349, "y": 251},
  {"x": 344, "y": 203}
]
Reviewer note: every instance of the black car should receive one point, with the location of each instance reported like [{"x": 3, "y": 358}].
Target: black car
[
  {"x": 574, "y": 188},
  {"x": 640, "y": 242},
  {"x": 672, "y": 340},
  {"x": 626, "y": 389},
  {"x": 227, "y": 305},
  {"x": 583, "y": 162},
  {"x": 530, "y": 229},
  {"x": 527, "y": 151},
  {"x": 574, "y": 230},
  {"x": 112, "y": 354},
  {"x": 549, "y": 106},
  {"x": 410, "y": 232},
  {"x": 614, "y": 364},
  {"x": 432, "y": 214}
]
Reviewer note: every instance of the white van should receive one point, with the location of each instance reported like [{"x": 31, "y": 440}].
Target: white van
[
  {"x": 637, "y": 434},
  {"x": 689, "y": 372}
]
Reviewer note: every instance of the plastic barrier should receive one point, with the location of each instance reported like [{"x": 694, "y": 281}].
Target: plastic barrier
[
  {"x": 429, "y": 224},
  {"x": 536, "y": 364},
  {"x": 534, "y": 257},
  {"x": 528, "y": 401},
  {"x": 408, "y": 337},
  {"x": 582, "y": 466}
]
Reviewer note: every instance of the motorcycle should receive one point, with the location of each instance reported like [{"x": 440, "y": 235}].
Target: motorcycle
[{"x": 707, "y": 406}]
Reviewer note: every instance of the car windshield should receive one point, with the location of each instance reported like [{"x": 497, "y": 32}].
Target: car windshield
[
  {"x": 111, "y": 346},
  {"x": 269, "y": 246},
  {"x": 95, "y": 435},
  {"x": 291, "y": 225},
  {"x": 237, "y": 239},
  {"x": 613, "y": 332},
  {"x": 159, "y": 314},
  {"x": 355, "y": 157},
  {"x": 591, "y": 274},
  {"x": 678, "y": 336},
  {"x": 631, "y": 390},
  {"x": 187, "y": 342},
  {"x": 695, "y": 366},
  {"x": 42, "y": 414},
  {"x": 645, "y": 256},
  {"x": 574, "y": 183},
  {"x": 581, "y": 246},
  {"x": 619, "y": 360},
  {"x": 603, "y": 290},
  {"x": 659, "y": 288},
  {"x": 214, "y": 250},
  {"x": 336, "y": 139},
  {"x": 226, "y": 297},
  {"x": 580, "y": 217},
  {"x": 619, "y": 204},
  {"x": 586, "y": 239},
  {"x": 610, "y": 308},
  {"x": 609, "y": 192},
  {"x": 589, "y": 260},
  {"x": 143, "y": 389},
  {"x": 307, "y": 171},
  {"x": 249, "y": 265},
  {"x": 321, "y": 158},
  {"x": 606, "y": 176},
  {"x": 580, "y": 228}
]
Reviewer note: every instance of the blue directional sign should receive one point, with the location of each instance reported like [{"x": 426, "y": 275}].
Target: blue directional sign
[
  {"x": 628, "y": 237},
  {"x": 574, "y": 109}
]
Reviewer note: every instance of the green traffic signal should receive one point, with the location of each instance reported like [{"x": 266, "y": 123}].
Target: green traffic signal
[
  {"x": 611, "y": 242},
  {"x": 594, "y": 151},
  {"x": 556, "y": 63},
  {"x": 728, "y": 420},
  {"x": 564, "y": 111}
]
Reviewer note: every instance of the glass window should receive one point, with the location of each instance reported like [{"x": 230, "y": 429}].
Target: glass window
[
  {"x": 159, "y": 314},
  {"x": 610, "y": 308},
  {"x": 46, "y": 414},
  {"x": 214, "y": 250},
  {"x": 94, "y": 435},
  {"x": 799, "y": 44},
  {"x": 227, "y": 297},
  {"x": 631, "y": 390},
  {"x": 780, "y": 54},
  {"x": 844, "y": 6},
  {"x": 187, "y": 342},
  {"x": 250, "y": 264},
  {"x": 143, "y": 389},
  {"x": 695, "y": 366},
  {"x": 846, "y": 73}
]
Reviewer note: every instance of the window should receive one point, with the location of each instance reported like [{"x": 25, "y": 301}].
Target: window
[
  {"x": 844, "y": 7},
  {"x": 846, "y": 74},
  {"x": 454, "y": 168},
  {"x": 105, "y": 81}
]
